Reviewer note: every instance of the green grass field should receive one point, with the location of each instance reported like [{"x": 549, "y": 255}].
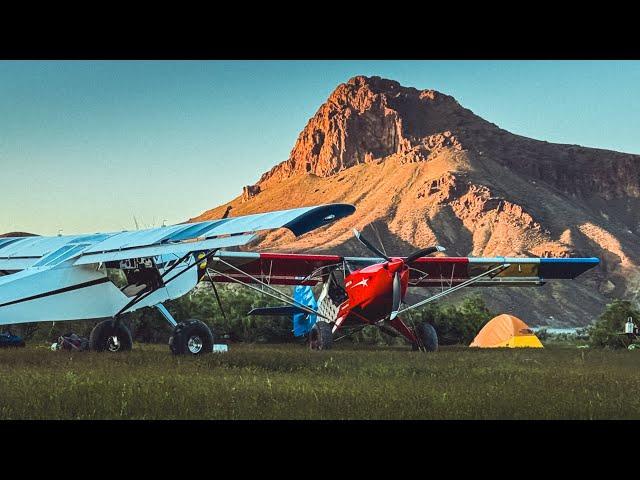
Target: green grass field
[{"x": 290, "y": 382}]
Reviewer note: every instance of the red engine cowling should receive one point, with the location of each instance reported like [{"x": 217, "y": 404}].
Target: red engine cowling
[{"x": 371, "y": 289}]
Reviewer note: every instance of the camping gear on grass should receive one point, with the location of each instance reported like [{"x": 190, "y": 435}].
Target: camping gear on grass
[
  {"x": 71, "y": 341},
  {"x": 506, "y": 331},
  {"x": 7, "y": 339}
]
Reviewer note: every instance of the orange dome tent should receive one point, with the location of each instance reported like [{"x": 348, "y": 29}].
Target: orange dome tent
[{"x": 506, "y": 331}]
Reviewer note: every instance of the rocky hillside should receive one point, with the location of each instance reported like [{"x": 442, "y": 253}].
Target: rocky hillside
[{"x": 421, "y": 169}]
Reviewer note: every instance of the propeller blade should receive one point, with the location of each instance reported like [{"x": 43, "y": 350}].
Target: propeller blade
[
  {"x": 423, "y": 252},
  {"x": 397, "y": 296},
  {"x": 368, "y": 244}
]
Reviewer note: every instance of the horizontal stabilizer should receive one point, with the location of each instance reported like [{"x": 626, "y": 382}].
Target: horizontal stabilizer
[{"x": 284, "y": 310}]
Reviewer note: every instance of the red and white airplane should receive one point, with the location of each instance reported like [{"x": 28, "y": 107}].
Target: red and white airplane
[
  {"x": 106, "y": 275},
  {"x": 360, "y": 291}
]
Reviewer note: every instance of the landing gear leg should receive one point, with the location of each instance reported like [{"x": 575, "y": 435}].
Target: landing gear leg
[
  {"x": 423, "y": 337},
  {"x": 165, "y": 313}
]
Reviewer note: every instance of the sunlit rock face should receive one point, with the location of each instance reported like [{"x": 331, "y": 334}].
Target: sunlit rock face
[{"x": 422, "y": 169}]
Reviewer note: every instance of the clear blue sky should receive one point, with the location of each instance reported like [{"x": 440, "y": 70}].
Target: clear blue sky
[{"x": 85, "y": 146}]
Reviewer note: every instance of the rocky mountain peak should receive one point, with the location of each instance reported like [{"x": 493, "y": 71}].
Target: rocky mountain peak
[
  {"x": 422, "y": 170},
  {"x": 368, "y": 119}
]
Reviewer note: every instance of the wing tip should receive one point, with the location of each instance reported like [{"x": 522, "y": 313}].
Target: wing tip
[{"x": 319, "y": 216}]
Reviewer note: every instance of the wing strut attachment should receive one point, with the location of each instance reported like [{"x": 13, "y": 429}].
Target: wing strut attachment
[
  {"x": 276, "y": 293},
  {"x": 495, "y": 271},
  {"x": 145, "y": 293},
  {"x": 165, "y": 313},
  {"x": 280, "y": 297}
]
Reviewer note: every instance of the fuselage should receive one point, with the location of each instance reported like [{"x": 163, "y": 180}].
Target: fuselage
[
  {"x": 370, "y": 290},
  {"x": 68, "y": 292}
]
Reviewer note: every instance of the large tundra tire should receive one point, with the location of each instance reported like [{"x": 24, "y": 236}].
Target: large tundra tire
[
  {"x": 192, "y": 337},
  {"x": 105, "y": 337},
  {"x": 428, "y": 337}
]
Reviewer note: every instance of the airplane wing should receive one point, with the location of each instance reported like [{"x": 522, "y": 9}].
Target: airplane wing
[
  {"x": 21, "y": 253},
  {"x": 309, "y": 269},
  {"x": 449, "y": 271},
  {"x": 272, "y": 268}
]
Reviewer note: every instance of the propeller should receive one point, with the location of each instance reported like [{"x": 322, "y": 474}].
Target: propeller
[
  {"x": 397, "y": 286},
  {"x": 397, "y": 296},
  {"x": 369, "y": 245},
  {"x": 423, "y": 252}
]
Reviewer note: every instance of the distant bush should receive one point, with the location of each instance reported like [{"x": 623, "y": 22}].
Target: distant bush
[{"x": 605, "y": 332}]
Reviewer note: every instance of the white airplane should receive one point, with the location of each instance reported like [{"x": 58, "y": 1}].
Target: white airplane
[{"x": 106, "y": 275}]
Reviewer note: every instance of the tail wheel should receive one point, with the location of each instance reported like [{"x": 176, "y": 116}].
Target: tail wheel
[
  {"x": 321, "y": 336},
  {"x": 107, "y": 337},
  {"x": 427, "y": 336},
  {"x": 192, "y": 337}
]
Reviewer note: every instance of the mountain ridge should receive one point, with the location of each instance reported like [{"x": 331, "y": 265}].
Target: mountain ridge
[{"x": 422, "y": 169}]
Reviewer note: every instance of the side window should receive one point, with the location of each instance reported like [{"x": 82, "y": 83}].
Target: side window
[{"x": 117, "y": 277}]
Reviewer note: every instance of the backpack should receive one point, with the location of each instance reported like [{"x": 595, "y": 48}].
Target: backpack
[
  {"x": 73, "y": 342},
  {"x": 7, "y": 339}
]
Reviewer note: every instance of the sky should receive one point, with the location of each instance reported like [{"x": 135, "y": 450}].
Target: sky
[{"x": 87, "y": 146}]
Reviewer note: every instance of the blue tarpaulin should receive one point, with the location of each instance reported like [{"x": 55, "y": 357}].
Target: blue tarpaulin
[{"x": 302, "y": 322}]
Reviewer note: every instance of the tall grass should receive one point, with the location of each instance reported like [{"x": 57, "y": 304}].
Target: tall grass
[{"x": 290, "y": 382}]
